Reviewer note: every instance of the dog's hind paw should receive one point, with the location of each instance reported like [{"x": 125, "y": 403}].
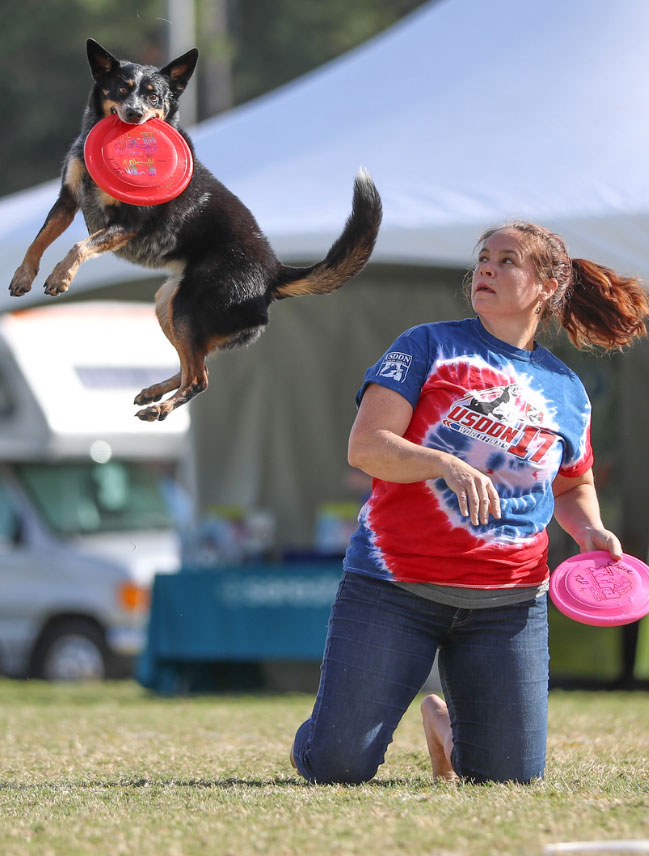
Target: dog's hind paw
[
  {"x": 152, "y": 414},
  {"x": 145, "y": 397},
  {"x": 155, "y": 392}
]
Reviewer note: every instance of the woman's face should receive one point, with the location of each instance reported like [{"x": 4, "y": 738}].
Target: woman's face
[{"x": 505, "y": 284}]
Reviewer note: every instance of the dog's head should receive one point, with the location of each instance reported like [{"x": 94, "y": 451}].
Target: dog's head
[{"x": 135, "y": 92}]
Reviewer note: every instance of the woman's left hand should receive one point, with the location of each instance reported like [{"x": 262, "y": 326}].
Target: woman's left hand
[
  {"x": 577, "y": 511},
  {"x": 601, "y": 539}
]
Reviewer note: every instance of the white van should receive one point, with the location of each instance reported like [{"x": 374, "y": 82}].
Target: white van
[{"x": 90, "y": 504}]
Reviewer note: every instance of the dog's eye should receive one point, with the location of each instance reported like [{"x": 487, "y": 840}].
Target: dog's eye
[
  {"x": 123, "y": 90},
  {"x": 153, "y": 98}
]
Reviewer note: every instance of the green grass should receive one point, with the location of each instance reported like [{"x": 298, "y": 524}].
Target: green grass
[{"x": 109, "y": 769}]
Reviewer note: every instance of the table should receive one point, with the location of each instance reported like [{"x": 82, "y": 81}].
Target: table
[{"x": 247, "y": 613}]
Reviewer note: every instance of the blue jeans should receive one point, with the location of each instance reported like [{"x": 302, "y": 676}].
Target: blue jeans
[{"x": 380, "y": 649}]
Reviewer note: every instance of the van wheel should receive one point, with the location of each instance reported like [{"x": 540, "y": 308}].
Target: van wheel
[{"x": 72, "y": 650}]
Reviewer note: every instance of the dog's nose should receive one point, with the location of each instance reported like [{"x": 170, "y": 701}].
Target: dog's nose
[{"x": 133, "y": 115}]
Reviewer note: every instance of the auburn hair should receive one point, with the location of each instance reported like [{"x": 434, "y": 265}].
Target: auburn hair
[{"x": 594, "y": 304}]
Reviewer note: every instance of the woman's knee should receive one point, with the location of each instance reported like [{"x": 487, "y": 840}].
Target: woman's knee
[
  {"x": 501, "y": 777},
  {"x": 501, "y": 767},
  {"x": 330, "y": 770},
  {"x": 333, "y": 761}
]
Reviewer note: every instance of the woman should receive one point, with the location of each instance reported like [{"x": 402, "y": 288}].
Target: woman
[{"x": 474, "y": 436}]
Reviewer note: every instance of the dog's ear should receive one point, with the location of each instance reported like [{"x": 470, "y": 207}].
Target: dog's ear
[
  {"x": 179, "y": 70},
  {"x": 101, "y": 62}
]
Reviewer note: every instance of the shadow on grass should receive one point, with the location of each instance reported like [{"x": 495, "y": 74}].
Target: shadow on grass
[{"x": 207, "y": 784}]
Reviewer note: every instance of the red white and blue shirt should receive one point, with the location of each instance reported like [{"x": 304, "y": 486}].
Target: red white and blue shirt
[{"x": 520, "y": 416}]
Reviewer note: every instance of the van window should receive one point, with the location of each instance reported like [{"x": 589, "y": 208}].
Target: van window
[{"x": 85, "y": 497}]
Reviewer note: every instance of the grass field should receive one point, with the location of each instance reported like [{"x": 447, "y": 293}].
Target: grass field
[{"x": 109, "y": 769}]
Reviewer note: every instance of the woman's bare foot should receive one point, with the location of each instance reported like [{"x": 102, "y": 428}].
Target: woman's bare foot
[
  {"x": 437, "y": 727},
  {"x": 292, "y": 759}
]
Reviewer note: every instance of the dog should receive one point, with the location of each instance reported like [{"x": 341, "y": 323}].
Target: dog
[{"x": 223, "y": 272}]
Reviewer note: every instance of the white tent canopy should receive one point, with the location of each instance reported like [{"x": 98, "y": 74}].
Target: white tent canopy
[{"x": 466, "y": 113}]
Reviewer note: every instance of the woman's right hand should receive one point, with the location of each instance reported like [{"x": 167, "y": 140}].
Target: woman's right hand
[
  {"x": 377, "y": 447},
  {"x": 476, "y": 495}
]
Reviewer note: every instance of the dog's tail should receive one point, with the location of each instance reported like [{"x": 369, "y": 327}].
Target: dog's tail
[{"x": 349, "y": 253}]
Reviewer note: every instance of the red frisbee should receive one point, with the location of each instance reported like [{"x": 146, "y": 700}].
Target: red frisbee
[
  {"x": 595, "y": 589},
  {"x": 143, "y": 164}
]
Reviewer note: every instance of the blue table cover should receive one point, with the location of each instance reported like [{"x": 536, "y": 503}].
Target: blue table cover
[{"x": 245, "y": 613}]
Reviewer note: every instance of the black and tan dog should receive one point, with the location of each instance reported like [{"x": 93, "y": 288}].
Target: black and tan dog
[{"x": 224, "y": 274}]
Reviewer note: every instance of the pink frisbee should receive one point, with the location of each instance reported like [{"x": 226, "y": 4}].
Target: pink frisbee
[
  {"x": 595, "y": 589},
  {"x": 143, "y": 164}
]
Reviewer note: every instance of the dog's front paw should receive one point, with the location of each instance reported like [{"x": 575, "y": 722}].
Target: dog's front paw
[
  {"x": 58, "y": 281},
  {"x": 22, "y": 281},
  {"x": 152, "y": 414}
]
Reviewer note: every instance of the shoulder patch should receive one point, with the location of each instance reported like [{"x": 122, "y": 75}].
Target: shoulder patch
[{"x": 395, "y": 365}]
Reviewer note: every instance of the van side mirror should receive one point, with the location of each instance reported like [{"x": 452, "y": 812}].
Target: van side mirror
[
  {"x": 12, "y": 530},
  {"x": 17, "y": 531}
]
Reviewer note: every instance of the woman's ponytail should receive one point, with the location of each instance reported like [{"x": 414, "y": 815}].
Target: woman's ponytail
[
  {"x": 595, "y": 305},
  {"x": 603, "y": 309}
]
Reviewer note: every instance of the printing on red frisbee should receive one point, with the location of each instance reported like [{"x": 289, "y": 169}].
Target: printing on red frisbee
[
  {"x": 145, "y": 164},
  {"x": 595, "y": 589}
]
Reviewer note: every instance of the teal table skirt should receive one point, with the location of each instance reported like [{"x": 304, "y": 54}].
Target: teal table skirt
[{"x": 249, "y": 613}]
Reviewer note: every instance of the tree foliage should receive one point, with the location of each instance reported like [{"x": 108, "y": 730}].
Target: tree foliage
[
  {"x": 47, "y": 79},
  {"x": 276, "y": 42}
]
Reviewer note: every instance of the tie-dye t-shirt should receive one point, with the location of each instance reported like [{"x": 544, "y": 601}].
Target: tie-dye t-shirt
[{"x": 520, "y": 416}]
